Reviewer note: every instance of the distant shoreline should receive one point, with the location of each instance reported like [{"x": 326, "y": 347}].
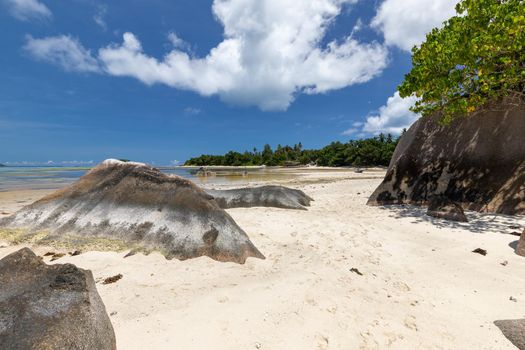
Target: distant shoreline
[{"x": 26, "y": 178}]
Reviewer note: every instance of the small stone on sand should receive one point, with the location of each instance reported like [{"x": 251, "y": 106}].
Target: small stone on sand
[
  {"x": 480, "y": 251},
  {"x": 112, "y": 279},
  {"x": 354, "y": 270},
  {"x": 57, "y": 256}
]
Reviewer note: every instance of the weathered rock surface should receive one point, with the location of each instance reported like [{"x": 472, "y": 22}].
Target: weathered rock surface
[
  {"x": 50, "y": 306},
  {"x": 134, "y": 206},
  {"x": 264, "y": 196},
  {"x": 477, "y": 161},
  {"x": 444, "y": 208},
  {"x": 520, "y": 248},
  {"x": 514, "y": 330}
]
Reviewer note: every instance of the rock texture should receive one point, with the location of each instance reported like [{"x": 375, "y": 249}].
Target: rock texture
[
  {"x": 264, "y": 196},
  {"x": 514, "y": 330},
  {"x": 444, "y": 208},
  {"x": 50, "y": 306},
  {"x": 134, "y": 206},
  {"x": 477, "y": 161},
  {"x": 520, "y": 248}
]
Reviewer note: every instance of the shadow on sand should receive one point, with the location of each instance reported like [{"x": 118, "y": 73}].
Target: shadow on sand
[
  {"x": 478, "y": 222},
  {"x": 514, "y": 244}
]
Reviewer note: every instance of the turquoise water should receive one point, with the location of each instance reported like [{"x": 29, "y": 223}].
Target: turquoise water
[
  {"x": 45, "y": 177},
  {"x": 55, "y": 177}
]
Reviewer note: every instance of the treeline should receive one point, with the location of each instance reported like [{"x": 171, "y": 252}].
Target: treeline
[{"x": 367, "y": 152}]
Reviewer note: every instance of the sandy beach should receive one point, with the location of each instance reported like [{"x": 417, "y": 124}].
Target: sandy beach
[{"x": 419, "y": 285}]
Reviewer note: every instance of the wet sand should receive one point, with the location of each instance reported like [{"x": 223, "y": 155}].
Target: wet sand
[{"x": 421, "y": 286}]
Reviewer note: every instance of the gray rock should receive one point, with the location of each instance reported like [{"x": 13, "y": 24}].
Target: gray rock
[
  {"x": 126, "y": 205},
  {"x": 50, "y": 306},
  {"x": 443, "y": 208},
  {"x": 477, "y": 161},
  {"x": 520, "y": 248},
  {"x": 264, "y": 196},
  {"x": 514, "y": 330}
]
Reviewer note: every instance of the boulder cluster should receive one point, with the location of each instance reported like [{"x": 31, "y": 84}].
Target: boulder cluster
[
  {"x": 123, "y": 205},
  {"x": 128, "y": 205}
]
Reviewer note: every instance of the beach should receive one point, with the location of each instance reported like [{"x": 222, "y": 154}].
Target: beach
[{"x": 340, "y": 275}]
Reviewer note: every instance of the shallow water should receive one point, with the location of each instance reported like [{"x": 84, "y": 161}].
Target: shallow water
[{"x": 17, "y": 178}]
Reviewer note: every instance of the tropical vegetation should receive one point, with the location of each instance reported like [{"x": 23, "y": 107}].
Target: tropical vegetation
[
  {"x": 477, "y": 55},
  {"x": 375, "y": 151}
]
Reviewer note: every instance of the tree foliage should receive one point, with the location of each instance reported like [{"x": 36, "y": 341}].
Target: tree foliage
[
  {"x": 367, "y": 152},
  {"x": 479, "y": 54}
]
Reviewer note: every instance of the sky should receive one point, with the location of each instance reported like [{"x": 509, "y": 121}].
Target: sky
[{"x": 161, "y": 81}]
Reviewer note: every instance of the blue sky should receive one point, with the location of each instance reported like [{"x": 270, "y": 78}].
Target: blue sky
[{"x": 159, "y": 81}]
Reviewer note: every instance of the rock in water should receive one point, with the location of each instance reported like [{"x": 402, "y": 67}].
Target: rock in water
[
  {"x": 477, "y": 161},
  {"x": 520, "y": 248},
  {"x": 264, "y": 196},
  {"x": 129, "y": 205},
  {"x": 514, "y": 330},
  {"x": 443, "y": 208},
  {"x": 50, "y": 306}
]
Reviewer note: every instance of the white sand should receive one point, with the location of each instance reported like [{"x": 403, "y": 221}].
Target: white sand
[{"x": 422, "y": 287}]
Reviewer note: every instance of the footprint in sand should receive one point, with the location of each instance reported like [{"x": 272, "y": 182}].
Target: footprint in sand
[
  {"x": 376, "y": 244},
  {"x": 322, "y": 342},
  {"x": 368, "y": 341},
  {"x": 311, "y": 301},
  {"x": 223, "y": 299},
  {"x": 393, "y": 337},
  {"x": 410, "y": 323},
  {"x": 401, "y": 286}
]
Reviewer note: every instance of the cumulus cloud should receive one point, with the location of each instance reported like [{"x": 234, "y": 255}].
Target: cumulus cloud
[
  {"x": 405, "y": 23},
  {"x": 272, "y": 50},
  {"x": 63, "y": 51},
  {"x": 26, "y": 10},
  {"x": 392, "y": 117}
]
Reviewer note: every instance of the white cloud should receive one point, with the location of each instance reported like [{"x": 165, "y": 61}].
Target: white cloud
[
  {"x": 63, "y": 51},
  {"x": 355, "y": 129},
  {"x": 177, "y": 42},
  {"x": 349, "y": 132},
  {"x": 192, "y": 110},
  {"x": 26, "y": 10},
  {"x": 99, "y": 17},
  {"x": 358, "y": 26},
  {"x": 393, "y": 117},
  {"x": 404, "y": 23},
  {"x": 272, "y": 51}
]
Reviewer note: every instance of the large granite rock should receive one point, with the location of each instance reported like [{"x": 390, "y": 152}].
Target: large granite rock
[
  {"x": 520, "y": 248},
  {"x": 50, "y": 306},
  {"x": 477, "y": 161},
  {"x": 263, "y": 196},
  {"x": 125, "y": 205},
  {"x": 444, "y": 208},
  {"x": 514, "y": 330}
]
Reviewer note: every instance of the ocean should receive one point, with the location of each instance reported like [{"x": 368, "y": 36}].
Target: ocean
[
  {"x": 45, "y": 177},
  {"x": 54, "y": 177}
]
